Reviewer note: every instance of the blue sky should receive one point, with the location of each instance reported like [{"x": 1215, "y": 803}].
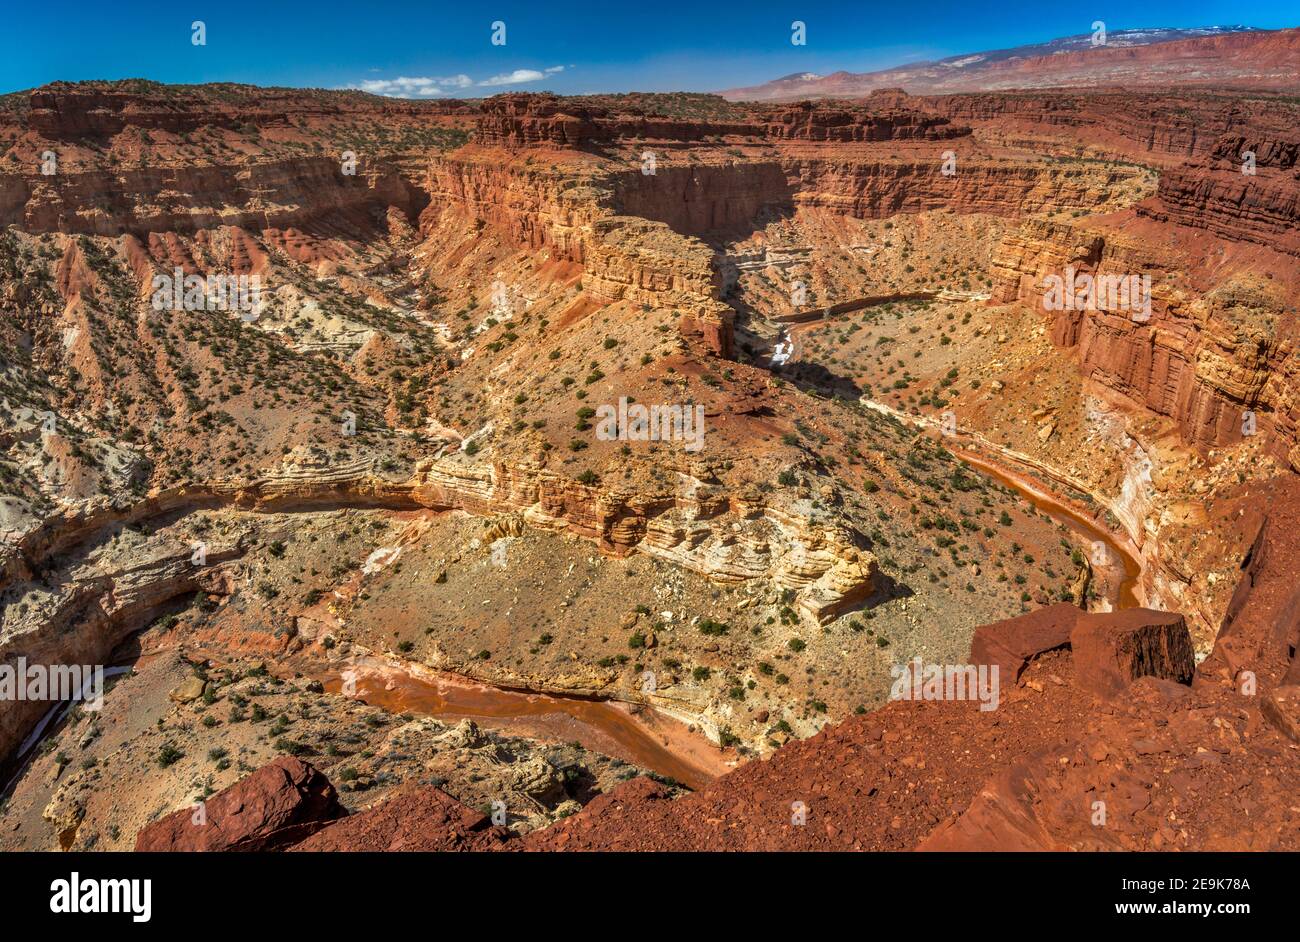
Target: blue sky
[{"x": 571, "y": 48}]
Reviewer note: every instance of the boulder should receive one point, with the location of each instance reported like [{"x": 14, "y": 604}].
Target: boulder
[
  {"x": 281, "y": 803},
  {"x": 190, "y": 689},
  {"x": 1113, "y": 649},
  {"x": 1013, "y": 643}
]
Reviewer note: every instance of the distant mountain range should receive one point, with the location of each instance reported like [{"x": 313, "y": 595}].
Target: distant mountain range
[{"x": 1225, "y": 56}]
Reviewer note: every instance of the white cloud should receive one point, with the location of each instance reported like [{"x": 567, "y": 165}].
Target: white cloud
[
  {"x": 413, "y": 87},
  {"x": 521, "y": 76},
  {"x": 428, "y": 86}
]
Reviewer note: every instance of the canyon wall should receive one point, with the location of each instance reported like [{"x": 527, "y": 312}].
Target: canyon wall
[
  {"x": 1263, "y": 208},
  {"x": 532, "y": 207},
  {"x": 702, "y": 199},
  {"x": 623, "y": 257},
  {"x": 876, "y": 189},
  {"x": 301, "y": 193},
  {"x": 636, "y": 234},
  {"x": 93, "y": 613},
  {"x": 521, "y": 120},
  {"x": 1200, "y": 359},
  {"x": 1161, "y": 128},
  {"x": 1147, "y": 123},
  {"x": 77, "y": 110},
  {"x": 696, "y": 200}
]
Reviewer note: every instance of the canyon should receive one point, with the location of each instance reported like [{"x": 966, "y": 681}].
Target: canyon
[{"x": 389, "y": 467}]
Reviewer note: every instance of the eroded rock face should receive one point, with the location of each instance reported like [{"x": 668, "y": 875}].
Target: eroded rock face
[
  {"x": 278, "y": 805},
  {"x": 91, "y": 614},
  {"x": 718, "y": 197},
  {"x": 623, "y": 258},
  {"x": 730, "y": 540},
  {"x": 1135, "y": 122}
]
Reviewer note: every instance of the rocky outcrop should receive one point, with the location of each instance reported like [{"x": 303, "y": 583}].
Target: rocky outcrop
[
  {"x": 630, "y": 259},
  {"x": 1109, "y": 650},
  {"x": 728, "y": 539},
  {"x": 280, "y": 804}
]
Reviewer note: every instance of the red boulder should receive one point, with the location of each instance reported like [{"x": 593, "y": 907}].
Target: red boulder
[
  {"x": 281, "y": 803},
  {"x": 1112, "y": 649},
  {"x": 1013, "y": 643}
]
